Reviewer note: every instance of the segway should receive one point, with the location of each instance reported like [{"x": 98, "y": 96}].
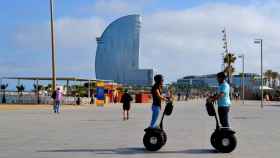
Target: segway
[
  {"x": 155, "y": 138},
  {"x": 223, "y": 138}
]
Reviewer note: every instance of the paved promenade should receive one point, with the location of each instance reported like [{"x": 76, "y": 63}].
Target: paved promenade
[{"x": 87, "y": 132}]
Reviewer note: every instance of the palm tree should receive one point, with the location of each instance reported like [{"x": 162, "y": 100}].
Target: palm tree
[
  {"x": 3, "y": 88},
  {"x": 268, "y": 76},
  {"x": 20, "y": 90},
  {"x": 81, "y": 90},
  {"x": 229, "y": 60},
  {"x": 48, "y": 88},
  {"x": 275, "y": 77},
  {"x": 37, "y": 89}
]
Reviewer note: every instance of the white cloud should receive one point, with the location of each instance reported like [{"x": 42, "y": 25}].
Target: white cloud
[
  {"x": 189, "y": 41},
  {"x": 75, "y": 45},
  {"x": 112, "y": 9},
  {"x": 69, "y": 33},
  {"x": 78, "y": 33},
  {"x": 173, "y": 42},
  {"x": 109, "y": 7}
]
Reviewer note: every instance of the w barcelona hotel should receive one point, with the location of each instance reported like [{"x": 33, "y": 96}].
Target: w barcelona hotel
[{"x": 117, "y": 54}]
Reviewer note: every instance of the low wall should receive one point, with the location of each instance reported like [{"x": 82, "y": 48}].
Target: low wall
[{"x": 32, "y": 99}]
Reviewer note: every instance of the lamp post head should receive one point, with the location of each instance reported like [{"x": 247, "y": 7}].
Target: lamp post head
[
  {"x": 241, "y": 56},
  {"x": 258, "y": 41}
]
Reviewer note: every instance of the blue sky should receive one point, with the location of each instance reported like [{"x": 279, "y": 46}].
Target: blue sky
[{"x": 186, "y": 30}]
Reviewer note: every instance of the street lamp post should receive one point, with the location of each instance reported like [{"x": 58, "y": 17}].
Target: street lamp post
[
  {"x": 243, "y": 83},
  {"x": 89, "y": 81},
  {"x": 260, "y": 41},
  {"x": 53, "y": 46},
  {"x": 1, "y": 84}
]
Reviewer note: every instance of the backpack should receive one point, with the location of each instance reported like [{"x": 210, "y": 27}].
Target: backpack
[{"x": 54, "y": 95}]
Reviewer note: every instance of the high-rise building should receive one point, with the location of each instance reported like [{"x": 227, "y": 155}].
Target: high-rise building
[{"x": 117, "y": 54}]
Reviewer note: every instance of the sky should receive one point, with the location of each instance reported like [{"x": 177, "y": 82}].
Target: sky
[{"x": 178, "y": 37}]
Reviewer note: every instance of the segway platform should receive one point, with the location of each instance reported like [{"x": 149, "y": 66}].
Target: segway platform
[{"x": 155, "y": 138}]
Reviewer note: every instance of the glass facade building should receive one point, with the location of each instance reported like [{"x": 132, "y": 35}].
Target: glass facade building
[
  {"x": 117, "y": 54},
  {"x": 250, "y": 80}
]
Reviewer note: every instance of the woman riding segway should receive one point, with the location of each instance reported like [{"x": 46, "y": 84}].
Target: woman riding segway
[
  {"x": 157, "y": 98},
  {"x": 155, "y": 137}
]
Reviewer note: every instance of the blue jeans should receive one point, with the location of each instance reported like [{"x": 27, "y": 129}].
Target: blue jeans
[
  {"x": 155, "y": 114},
  {"x": 56, "y": 107}
]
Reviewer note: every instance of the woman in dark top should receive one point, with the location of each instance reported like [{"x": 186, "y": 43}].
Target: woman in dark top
[
  {"x": 126, "y": 99},
  {"x": 157, "y": 98}
]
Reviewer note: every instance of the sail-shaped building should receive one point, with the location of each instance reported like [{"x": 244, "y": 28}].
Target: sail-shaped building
[{"x": 117, "y": 54}]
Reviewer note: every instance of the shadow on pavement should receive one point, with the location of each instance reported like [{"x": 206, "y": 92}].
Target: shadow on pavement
[
  {"x": 133, "y": 151},
  {"x": 272, "y": 105}
]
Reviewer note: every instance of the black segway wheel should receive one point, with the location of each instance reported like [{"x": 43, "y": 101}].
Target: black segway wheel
[
  {"x": 153, "y": 141},
  {"x": 164, "y": 136},
  {"x": 213, "y": 139},
  {"x": 226, "y": 143}
]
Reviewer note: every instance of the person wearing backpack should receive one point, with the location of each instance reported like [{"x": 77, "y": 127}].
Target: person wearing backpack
[
  {"x": 53, "y": 97},
  {"x": 126, "y": 99},
  {"x": 57, "y": 96}
]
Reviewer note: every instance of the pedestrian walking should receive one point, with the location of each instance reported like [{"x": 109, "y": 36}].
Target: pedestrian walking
[
  {"x": 126, "y": 100},
  {"x": 187, "y": 96},
  {"x": 115, "y": 96},
  {"x": 92, "y": 99},
  {"x": 170, "y": 94},
  {"x": 78, "y": 100},
  {"x": 57, "y": 96},
  {"x": 178, "y": 96}
]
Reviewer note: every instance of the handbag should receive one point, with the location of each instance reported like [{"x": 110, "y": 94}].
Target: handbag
[
  {"x": 210, "y": 108},
  {"x": 168, "y": 108}
]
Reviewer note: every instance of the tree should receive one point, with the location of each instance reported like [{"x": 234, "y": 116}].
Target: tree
[
  {"x": 20, "y": 90},
  {"x": 48, "y": 88},
  {"x": 79, "y": 90},
  {"x": 92, "y": 87},
  {"x": 229, "y": 70},
  {"x": 268, "y": 76},
  {"x": 37, "y": 89},
  {"x": 274, "y": 76},
  {"x": 3, "y": 88},
  {"x": 229, "y": 60}
]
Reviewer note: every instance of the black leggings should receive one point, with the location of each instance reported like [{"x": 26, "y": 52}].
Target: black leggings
[{"x": 223, "y": 115}]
